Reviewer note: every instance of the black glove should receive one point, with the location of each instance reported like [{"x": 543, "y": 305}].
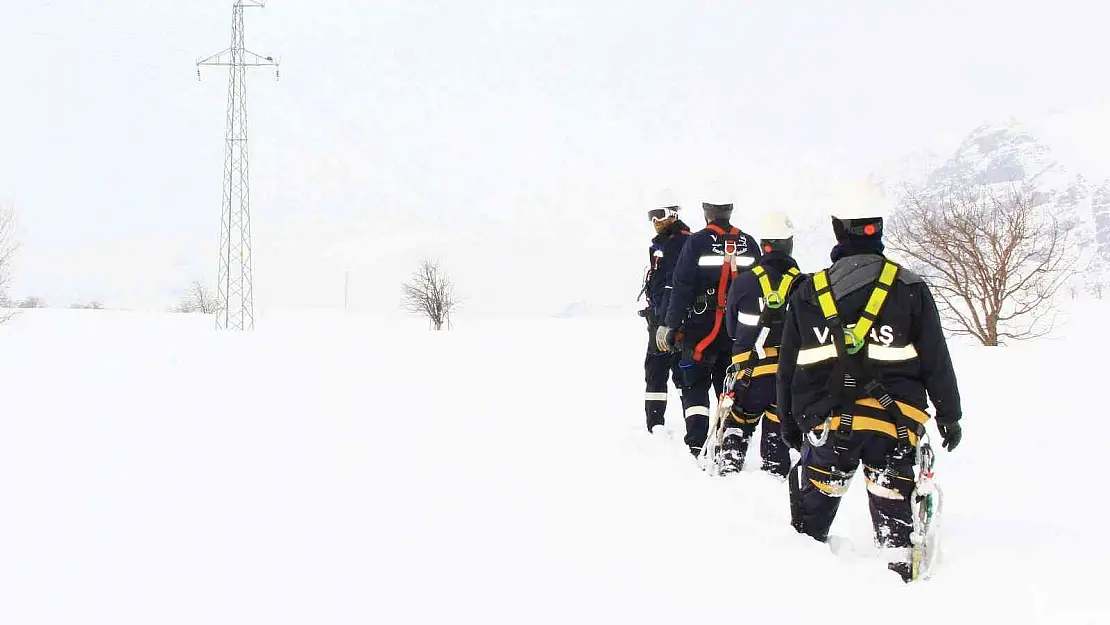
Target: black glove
[
  {"x": 791, "y": 433},
  {"x": 951, "y": 433}
]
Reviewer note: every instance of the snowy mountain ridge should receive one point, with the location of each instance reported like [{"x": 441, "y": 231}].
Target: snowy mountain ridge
[{"x": 1008, "y": 154}]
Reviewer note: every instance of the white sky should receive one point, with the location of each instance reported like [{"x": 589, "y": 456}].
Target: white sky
[{"x": 519, "y": 141}]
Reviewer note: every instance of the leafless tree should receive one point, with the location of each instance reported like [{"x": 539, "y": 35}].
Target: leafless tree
[
  {"x": 995, "y": 260},
  {"x": 431, "y": 294},
  {"x": 31, "y": 301},
  {"x": 93, "y": 305},
  {"x": 198, "y": 299},
  {"x": 1097, "y": 275},
  {"x": 8, "y": 247}
]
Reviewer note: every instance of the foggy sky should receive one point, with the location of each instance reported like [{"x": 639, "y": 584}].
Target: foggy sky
[{"x": 521, "y": 142}]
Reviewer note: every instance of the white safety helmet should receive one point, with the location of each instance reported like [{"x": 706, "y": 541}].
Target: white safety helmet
[
  {"x": 717, "y": 200},
  {"x": 776, "y": 233},
  {"x": 858, "y": 199},
  {"x": 775, "y": 226},
  {"x": 718, "y": 192},
  {"x": 857, "y": 210}
]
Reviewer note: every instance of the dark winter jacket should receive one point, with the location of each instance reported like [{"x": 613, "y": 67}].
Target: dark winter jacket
[
  {"x": 745, "y": 306},
  {"x": 745, "y": 301},
  {"x": 662, "y": 256},
  {"x": 906, "y": 349},
  {"x": 698, "y": 276}
]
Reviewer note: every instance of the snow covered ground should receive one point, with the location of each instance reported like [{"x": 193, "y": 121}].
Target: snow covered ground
[{"x": 332, "y": 469}]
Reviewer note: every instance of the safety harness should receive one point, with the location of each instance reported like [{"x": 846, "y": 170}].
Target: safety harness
[
  {"x": 926, "y": 497},
  {"x": 728, "y": 272},
  {"x": 656, "y": 250},
  {"x": 761, "y": 359},
  {"x": 849, "y": 373}
]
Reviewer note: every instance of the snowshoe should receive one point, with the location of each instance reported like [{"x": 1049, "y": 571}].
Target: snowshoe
[
  {"x": 709, "y": 456},
  {"x": 926, "y": 502}
]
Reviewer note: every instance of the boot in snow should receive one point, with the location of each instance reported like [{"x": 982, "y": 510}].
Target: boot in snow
[{"x": 734, "y": 447}]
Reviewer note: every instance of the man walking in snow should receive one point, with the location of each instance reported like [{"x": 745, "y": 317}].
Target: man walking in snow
[
  {"x": 670, "y": 236},
  {"x": 862, "y": 351},
  {"x": 709, "y": 261},
  {"x": 754, "y": 316}
]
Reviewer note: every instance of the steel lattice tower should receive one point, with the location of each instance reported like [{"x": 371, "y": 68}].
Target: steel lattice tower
[{"x": 235, "y": 291}]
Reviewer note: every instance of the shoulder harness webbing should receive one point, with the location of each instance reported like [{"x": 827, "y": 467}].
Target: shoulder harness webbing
[
  {"x": 728, "y": 272},
  {"x": 851, "y": 372},
  {"x": 760, "y": 359},
  {"x": 775, "y": 298},
  {"x": 856, "y": 337}
]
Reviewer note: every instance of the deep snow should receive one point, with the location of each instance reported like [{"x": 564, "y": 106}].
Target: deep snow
[{"x": 333, "y": 469}]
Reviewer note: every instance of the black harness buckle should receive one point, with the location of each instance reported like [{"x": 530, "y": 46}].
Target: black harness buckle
[{"x": 843, "y": 434}]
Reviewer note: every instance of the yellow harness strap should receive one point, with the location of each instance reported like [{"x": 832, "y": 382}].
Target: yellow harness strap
[
  {"x": 775, "y": 298},
  {"x": 856, "y": 336}
]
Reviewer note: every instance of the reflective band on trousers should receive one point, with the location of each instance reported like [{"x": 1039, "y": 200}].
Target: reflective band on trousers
[
  {"x": 813, "y": 355},
  {"x": 655, "y": 397},
  {"x": 697, "y": 410}
]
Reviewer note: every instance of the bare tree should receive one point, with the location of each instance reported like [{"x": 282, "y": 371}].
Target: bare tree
[
  {"x": 994, "y": 260},
  {"x": 1097, "y": 275},
  {"x": 198, "y": 299},
  {"x": 93, "y": 305},
  {"x": 431, "y": 294},
  {"x": 1097, "y": 288},
  {"x": 31, "y": 301},
  {"x": 8, "y": 247}
]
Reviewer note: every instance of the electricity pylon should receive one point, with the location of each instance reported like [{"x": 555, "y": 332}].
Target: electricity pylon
[{"x": 235, "y": 291}]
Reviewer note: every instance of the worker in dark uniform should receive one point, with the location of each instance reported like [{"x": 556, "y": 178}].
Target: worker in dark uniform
[
  {"x": 659, "y": 366},
  {"x": 862, "y": 352},
  {"x": 754, "y": 316},
  {"x": 694, "y": 322}
]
